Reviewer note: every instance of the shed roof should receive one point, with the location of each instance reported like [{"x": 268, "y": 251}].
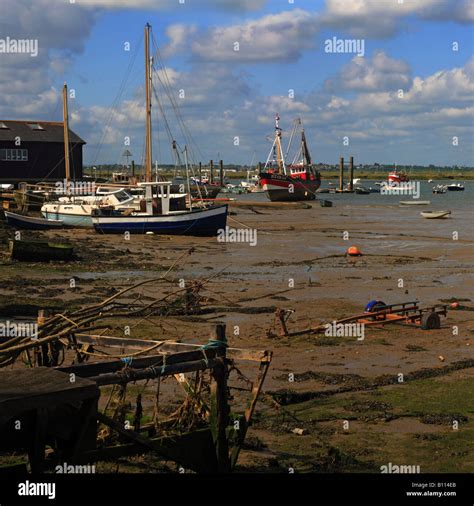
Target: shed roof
[{"x": 36, "y": 131}]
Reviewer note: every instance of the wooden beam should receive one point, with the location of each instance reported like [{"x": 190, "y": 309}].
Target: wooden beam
[
  {"x": 128, "y": 375},
  {"x": 166, "y": 347},
  {"x": 86, "y": 370},
  {"x": 219, "y": 404},
  {"x": 193, "y": 450}
]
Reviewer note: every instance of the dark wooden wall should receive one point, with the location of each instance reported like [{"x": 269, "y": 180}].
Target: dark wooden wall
[{"x": 45, "y": 162}]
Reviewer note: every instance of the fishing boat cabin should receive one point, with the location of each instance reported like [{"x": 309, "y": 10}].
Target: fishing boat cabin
[{"x": 33, "y": 151}]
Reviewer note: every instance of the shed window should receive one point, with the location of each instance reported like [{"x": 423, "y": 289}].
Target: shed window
[{"x": 13, "y": 155}]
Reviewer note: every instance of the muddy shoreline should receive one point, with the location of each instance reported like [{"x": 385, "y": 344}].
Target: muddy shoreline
[{"x": 299, "y": 263}]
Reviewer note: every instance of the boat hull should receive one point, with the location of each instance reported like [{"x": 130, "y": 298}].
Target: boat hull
[
  {"x": 39, "y": 251},
  {"x": 283, "y": 188},
  {"x": 31, "y": 223},
  {"x": 435, "y": 215},
  {"x": 70, "y": 220},
  {"x": 206, "y": 222}
]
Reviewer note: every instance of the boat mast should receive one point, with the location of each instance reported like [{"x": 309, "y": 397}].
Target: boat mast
[
  {"x": 148, "y": 150},
  {"x": 66, "y": 133},
  {"x": 187, "y": 178},
  {"x": 280, "y": 159},
  {"x": 305, "y": 149}
]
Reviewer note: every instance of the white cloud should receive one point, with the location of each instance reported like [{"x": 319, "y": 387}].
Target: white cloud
[
  {"x": 229, "y": 5},
  {"x": 377, "y": 74},
  {"x": 382, "y": 18},
  {"x": 178, "y": 36},
  {"x": 276, "y": 37}
]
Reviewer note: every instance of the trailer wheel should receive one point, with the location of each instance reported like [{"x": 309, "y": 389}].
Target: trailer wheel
[
  {"x": 374, "y": 305},
  {"x": 430, "y": 321}
]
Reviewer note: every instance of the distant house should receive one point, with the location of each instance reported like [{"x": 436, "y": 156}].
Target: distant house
[{"x": 33, "y": 151}]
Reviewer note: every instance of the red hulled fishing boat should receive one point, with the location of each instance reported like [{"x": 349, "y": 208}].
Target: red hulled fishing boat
[{"x": 296, "y": 181}]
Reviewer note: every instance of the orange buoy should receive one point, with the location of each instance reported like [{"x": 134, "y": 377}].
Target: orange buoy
[
  {"x": 354, "y": 251},
  {"x": 454, "y": 305}
]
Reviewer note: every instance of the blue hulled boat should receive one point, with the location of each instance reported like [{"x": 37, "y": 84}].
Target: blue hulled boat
[{"x": 159, "y": 219}]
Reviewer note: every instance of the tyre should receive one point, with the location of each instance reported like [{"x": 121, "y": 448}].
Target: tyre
[{"x": 430, "y": 321}]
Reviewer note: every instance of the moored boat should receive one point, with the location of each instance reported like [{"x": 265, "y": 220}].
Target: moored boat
[
  {"x": 76, "y": 211},
  {"x": 455, "y": 187},
  {"x": 414, "y": 202},
  {"x": 435, "y": 214},
  {"x": 159, "y": 219},
  {"x": 31, "y": 222},
  {"x": 40, "y": 251},
  {"x": 297, "y": 181}
]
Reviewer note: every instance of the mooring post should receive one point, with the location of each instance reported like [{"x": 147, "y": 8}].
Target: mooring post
[
  {"x": 220, "y": 401},
  {"x": 341, "y": 173},
  {"x": 211, "y": 171},
  {"x": 351, "y": 172},
  {"x": 221, "y": 172},
  {"x": 200, "y": 172},
  {"x": 133, "y": 168}
]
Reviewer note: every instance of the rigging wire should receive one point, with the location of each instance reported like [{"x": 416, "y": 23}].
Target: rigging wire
[{"x": 113, "y": 108}]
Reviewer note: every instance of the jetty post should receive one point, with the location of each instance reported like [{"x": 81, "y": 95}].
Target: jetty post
[
  {"x": 341, "y": 173},
  {"x": 221, "y": 173},
  {"x": 211, "y": 171},
  {"x": 219, "y": 401},
  {"x": 351, "y": 172},
  {"x": 200, "y": 172}
]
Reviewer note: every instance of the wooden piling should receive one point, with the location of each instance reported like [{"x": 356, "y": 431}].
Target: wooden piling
[
  {"x": 341, "y": 173},
  {"x": 219, "y": 403},
  {"x": 200, "y": 172},
  {"x": 221, "y": 173},
  {"x": 211, "y": 171},
  {"x": 351, "y": 173}
]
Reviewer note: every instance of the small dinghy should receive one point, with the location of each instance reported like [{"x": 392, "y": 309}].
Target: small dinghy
[
  {"x": 31, "y": 222},
  {"x": 40, "y": 251},
  {"x": 455, "y": 187},
  {"x": 414, "y": 202},
  {"x": 325, "y": 203},
  {"x": 435, "y": 214}
]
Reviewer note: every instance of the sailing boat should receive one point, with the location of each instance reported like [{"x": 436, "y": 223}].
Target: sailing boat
[
  {"x": 156, "y": 213},
  {"x": 299, "y": 180},
  {"x": 75, "y": 210}
]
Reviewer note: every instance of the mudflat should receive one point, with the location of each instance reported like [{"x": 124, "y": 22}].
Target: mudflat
[{"x": 399, "y": 395}]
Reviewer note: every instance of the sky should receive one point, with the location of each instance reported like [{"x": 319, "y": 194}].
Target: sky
[{"x": 398, "y": 87}]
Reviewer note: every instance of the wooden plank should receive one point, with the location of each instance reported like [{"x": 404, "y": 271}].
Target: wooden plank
[
  {"x": 27, "y": 389},
  {"x": 87, "y": 370},
  {"x": 128, "y": 375},
  {"x": 220, "y": 405},
  {"x": 193, "y": 450},
  {"x": 165, "y": 346},
  {"x": 37, "y": 445},
  {"x": 242, "y": 432}
]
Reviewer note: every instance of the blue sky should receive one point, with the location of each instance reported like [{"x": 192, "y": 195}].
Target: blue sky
[{"x": 233, "y": 95}]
